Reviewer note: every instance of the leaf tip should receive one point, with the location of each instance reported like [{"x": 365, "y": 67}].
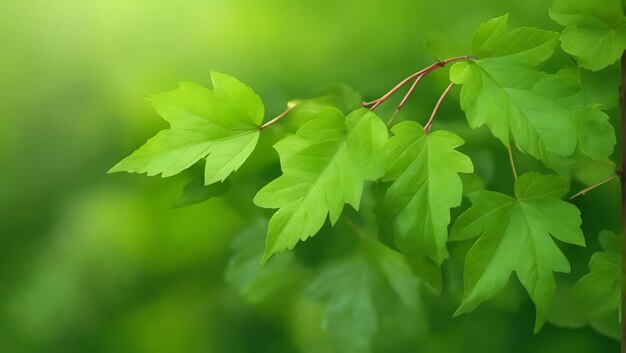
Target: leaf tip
[
  {"x": 266, "y": 256},
  {"x": 116, "y": 168},
  {"x": 458, "y": 312}
]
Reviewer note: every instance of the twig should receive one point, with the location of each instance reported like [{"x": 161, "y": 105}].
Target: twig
[
  {"x": 280, "y": 116},
  {"x": 512, "y": 161},
  {"x": 406, "y": 97},
  {"x": 377, "y": 102},
  {"x": 585, "y": 190},
  {"x": 432, "y": 115}
]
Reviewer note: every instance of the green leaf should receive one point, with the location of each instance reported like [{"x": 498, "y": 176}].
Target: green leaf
[
  {"x": 349, "y": 313},
  {"x": 498, "y": 92},
  {"x": 431, "y": 45},
  {"x": 355, "y": 291},
  {"x": 324, "y": 166},
  {"x": 340, "y": 96},
  {"x": 594, "y": 132},
  {"x": 426, "y": 185},
  {"x": 595, "y": 30},
  {"x": 598, "y": 292},
  {"x": 514, "y": 235},
  {"x": 220, "y": 125},
  {"x": 195, "y": 192},
  {"x": 258, "y": 283},
  {"x": 602, "y": 86}
]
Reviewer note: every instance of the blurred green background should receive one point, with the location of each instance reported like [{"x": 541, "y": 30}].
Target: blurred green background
[{"x": 91, "y": 262}]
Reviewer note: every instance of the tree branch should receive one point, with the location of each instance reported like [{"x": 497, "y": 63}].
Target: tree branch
[
  {"x": 406, "y": 97},
  {"x": 377, "y": 102}
]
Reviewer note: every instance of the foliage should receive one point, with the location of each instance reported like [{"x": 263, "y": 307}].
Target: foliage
[{"x": 407, "y": 186}]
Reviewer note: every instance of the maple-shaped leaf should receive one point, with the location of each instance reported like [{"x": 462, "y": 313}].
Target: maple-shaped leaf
[
  {"x": 599, "y": 291},
  {"x": 595, "y": 134},
  {"x": 220, "y": 125},
  {"x": 515, "y": 235},
  {"x": 595, "y": 30},
  {"x": 356, "y": 290},
  {"x": 426, "y": 185},
  {"x": 324, "y": 166},
  {"x": 497, "y": 92}
]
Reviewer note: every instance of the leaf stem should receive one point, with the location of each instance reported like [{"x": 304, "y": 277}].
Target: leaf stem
[
  {"x": 280, "y": 116},
  {"x": 585, "y": 190},
  {"x": 512, "y": 161},
  {"x": 432, "y": 115},
  {"x": 377, "y": 102},
  {"x": 406, "y": 97}
]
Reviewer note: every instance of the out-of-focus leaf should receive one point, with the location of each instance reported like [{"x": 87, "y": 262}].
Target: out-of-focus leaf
[
  {"x": 258, "y": 282},
  {"x": 598, "y": 292},
  {"x": 595, "y": 30},
  {"x": 355, "y": 291},
  {"x": 195, "y": 192},
  {"x": 602, "y": 86}
]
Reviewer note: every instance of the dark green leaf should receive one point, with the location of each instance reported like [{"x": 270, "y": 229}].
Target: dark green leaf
[{"x": 195, "y": 191}]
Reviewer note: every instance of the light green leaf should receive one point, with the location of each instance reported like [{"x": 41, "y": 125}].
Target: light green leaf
[
  {"x": 598, "y": 292},
  {"x": 220, "y": 125},
  {"x": 195, "y": 192},
  {"x": 498, "y": 92},
  {"x": 595, "y": 30},
  {"x": 514, "y": 235},
  {"x": 355, "y": 291},
  {"x": 426, "y": 185},
  {"x": 340, "y": 96},
  {"x": 324, "y": 166}
]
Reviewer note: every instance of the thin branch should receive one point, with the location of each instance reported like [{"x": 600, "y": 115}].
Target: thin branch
[
  {"x": 377, "y": 102},
  {"x": 406, "y": 97},
  {"x": 512, "y": 161},
  {"x": 432, "y": 115},
  {"x": 280, "y": 116},
  {"x": 585, "y": 190}
]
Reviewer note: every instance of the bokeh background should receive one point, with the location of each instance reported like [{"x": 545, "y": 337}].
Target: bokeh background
[{"x": 91, "y": 262}]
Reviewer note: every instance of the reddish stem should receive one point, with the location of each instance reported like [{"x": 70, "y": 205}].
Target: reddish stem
[
  {"x": 432, "y": 115},
  {"x": 376, "y": 103},
  {"x": 406, "y": 97}
]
